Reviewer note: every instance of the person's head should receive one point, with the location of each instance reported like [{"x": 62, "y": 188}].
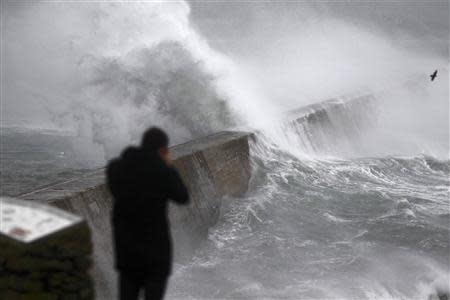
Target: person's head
[{"x": 156, "y": 141}]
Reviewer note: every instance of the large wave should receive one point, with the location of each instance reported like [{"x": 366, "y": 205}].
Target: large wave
[
  {"x": 114, "y": 68},
  {"x": 163, "y": 85},
  {"x": 367, "y": 228},
  {"x": 111, "y": 70}
]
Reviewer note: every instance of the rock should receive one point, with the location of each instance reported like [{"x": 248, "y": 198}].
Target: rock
[
  {"x": 29, "y": 264},
  {"x": 21, "y": 283},
  {"x": 13, "y": 295},
  {"x": 70, "y": 297},
  {"x": 82, "y": 263},
  {"x": 86, "y": 294},
  {"x": 4, "y": 282},
  {"x": 51, "y": 266}
]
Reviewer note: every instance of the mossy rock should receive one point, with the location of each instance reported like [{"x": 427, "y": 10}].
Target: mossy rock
[
  {"x": 77, "y": 285},
  {"x": 30, "y": 264},
  {"x": 38, "y": 275},
  {"x": 4, "y": 282},
  {"x": 82, "y": 263},
  {"x": 87, "y": 294},
  {"x": 73, "y": 242},
  {"x": 21, "y": 284},
  {"x": 55, "y": 280},
  {"x": 8, "y": 248},
  {"x": 70, "y": 296},
  {"x": 12, "y": 295}
]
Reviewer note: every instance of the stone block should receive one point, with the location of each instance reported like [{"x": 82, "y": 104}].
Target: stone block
[
  {"x": 31, "y": 264},
  {"x": 45, "y": 252},
  {"x": 13, "y": 295}
]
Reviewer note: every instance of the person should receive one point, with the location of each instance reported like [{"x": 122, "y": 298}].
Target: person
[{"x": 141, "y": 181}]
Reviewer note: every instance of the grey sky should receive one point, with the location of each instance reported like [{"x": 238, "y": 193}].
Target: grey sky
[{"x": 418, "y": 25}]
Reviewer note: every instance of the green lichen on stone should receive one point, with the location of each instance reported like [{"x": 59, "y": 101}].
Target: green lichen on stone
[
  {"x": 13, "y": 295},
  {"x": 82, "y": 263},
  {"x": 76, "y": 286},
  {"x": 55, "y": 280},
  {"x": 68, "y": 281},
  {"x": 54, "y": 267},
  {"x": 4, "y": 282},
  {"x": 29, "y": 285},
  {"x": 71, "y": 296},
  {"x": 30, "y": 263},
  {"x": 20, "y": 283},
  {"x": 87, "y": 294},
  {"x": 73, "y": 242},
  {"x": 8, "y": 247},
  {"x": 37, "y": 275}
]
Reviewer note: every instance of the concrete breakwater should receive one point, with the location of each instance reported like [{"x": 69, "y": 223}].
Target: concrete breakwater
[
  {"x": 212, "y": 167},
  {"x": 334, "y": 124}
]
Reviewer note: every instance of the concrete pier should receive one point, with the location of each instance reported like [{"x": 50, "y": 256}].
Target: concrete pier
[
  {"x": 212, "y": 167},
  {"x": 334, "y": 125}
]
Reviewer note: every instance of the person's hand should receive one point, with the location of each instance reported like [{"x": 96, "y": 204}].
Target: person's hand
[
  {"x": 165, "y": 155},
  {"x": 168, "y": 159}
]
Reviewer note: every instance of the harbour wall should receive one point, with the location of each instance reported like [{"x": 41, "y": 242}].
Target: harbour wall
[
  {"x": 212, "y": 167},
  {"x": 335, "y": 124}
]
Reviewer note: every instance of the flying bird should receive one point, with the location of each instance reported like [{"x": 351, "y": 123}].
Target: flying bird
[{"x": 433, "y": 76}]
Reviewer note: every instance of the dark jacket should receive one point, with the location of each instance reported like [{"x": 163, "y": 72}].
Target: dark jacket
[{"x": 142, "y": 184}]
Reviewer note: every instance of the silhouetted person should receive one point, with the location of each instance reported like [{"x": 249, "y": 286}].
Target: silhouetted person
[
  {"x": 433, "y": 76},
  {"x": 142, "y": 180}
]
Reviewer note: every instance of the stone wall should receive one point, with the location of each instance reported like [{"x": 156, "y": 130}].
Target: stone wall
[
  {"x": 212, "y": 167},
  {"x": 53, "y": 267},
  {"x": 334, "y": 125}
]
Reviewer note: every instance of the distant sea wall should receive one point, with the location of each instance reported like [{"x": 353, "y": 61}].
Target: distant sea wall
[
  {"x": 324, "y": 127},
  {"x": 212, "y": 167}
]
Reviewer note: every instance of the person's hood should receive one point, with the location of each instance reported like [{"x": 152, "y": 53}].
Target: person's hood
[
  {"x": 137, "y": 155},
  {"x": 132, "y": 153}
]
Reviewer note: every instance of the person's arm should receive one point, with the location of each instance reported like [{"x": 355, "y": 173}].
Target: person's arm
[{"x": 177, "y": 191}]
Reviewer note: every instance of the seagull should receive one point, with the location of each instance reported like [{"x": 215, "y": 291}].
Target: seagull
[{"x": 433, "y": 76}]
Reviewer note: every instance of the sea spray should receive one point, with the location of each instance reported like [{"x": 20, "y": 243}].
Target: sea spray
[{"x": 114, "y": 68}]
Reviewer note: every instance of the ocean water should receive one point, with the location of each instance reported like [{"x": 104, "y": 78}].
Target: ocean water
[
  {"x": 367, "y": 228},
  {"x": 33, "y": 158},
  {"x": 327, "y": 217}
]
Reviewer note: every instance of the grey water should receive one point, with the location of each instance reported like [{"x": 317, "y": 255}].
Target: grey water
[
  {"x": 329, "y": 226},
  {"x": 31, "y": 159},
  {"x": 368, "y": 228}
]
